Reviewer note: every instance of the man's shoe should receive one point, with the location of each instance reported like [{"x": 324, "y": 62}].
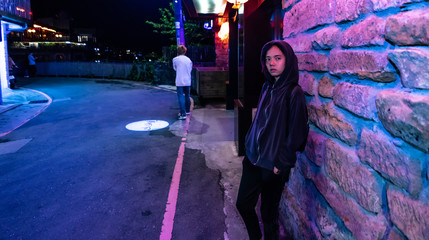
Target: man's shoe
[{"x": 182, "y": 117}]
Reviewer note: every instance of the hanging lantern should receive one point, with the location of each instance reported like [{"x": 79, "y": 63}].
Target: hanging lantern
[
  {"x": 224, "y": 31},
  {"x": 237, "y": 3}
]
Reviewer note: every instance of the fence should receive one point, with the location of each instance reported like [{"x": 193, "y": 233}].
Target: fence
[
  {"x": 85, "y": 69},
  {"x": 161, "y": 73}
]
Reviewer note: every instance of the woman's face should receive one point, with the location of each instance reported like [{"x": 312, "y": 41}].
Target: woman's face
[{"x": 275, "y": 62}]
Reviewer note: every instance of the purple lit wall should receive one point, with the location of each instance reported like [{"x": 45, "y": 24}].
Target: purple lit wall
[{"x": 364, "y": 66}]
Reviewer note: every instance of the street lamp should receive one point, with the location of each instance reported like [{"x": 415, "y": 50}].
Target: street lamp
[{"x": 237, "y": 3}]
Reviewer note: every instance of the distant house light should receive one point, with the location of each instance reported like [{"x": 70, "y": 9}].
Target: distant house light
[
  {"x": 44, "y": 28},
  {"x": 20, "y": 9}
]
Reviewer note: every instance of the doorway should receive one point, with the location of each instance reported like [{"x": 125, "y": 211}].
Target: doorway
[{"x": 262, "y": 23}]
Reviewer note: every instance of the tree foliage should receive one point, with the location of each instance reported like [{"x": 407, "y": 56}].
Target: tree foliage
[
  {"x": 166, "y": 25},
  {"x": 195, "y": 34}
]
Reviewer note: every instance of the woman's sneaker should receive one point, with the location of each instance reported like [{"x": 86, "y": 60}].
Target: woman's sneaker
[{"x": 182, "y": 117}]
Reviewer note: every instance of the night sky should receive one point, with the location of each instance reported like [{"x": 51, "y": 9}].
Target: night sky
[{"x": 119, "y": 23}]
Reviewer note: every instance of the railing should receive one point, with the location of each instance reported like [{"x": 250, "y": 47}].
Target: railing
[
  {"x": 84, "y": 69},
  {"x": 157, "y": 73}
]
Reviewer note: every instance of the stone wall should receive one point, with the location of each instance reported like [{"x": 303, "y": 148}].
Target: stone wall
[
  {"x": 222, "y": 48},
  {"x": 364, "y": 66}
]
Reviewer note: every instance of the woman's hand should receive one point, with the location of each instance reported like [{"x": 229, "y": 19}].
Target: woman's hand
[{"x": 276, "y": 171}]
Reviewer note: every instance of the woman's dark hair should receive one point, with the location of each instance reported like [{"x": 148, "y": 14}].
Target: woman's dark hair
[{"x": 291, "y": 68}]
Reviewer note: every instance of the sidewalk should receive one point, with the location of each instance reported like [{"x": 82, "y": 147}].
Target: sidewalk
[
  {"x": 20, "y": 106},
  {"x": 211, "y": 130}
]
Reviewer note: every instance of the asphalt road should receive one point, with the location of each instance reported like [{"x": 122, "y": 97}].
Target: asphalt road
[{"x": 80, "y": 174}]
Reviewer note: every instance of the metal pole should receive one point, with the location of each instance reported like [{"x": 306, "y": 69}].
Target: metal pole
[
  {"x": 1, "y": 88},
  {"x": 180, "y": 33},
  {"x": 232, "y": 87}
]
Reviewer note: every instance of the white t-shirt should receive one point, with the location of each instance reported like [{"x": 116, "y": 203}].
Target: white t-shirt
[{"x": 183, "y": 67}]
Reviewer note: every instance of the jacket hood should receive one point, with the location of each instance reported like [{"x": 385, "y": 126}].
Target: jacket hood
[{"x": 290, "y": 73}]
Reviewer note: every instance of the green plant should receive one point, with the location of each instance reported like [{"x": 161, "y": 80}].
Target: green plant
[
  {"x": 134, "y": 72},
  {"x": 149, "y": 72},
  {"x": 194, "y": 31}
]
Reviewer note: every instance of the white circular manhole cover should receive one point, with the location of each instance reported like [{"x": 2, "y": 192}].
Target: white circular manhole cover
[{"x": 147, "y": 125}]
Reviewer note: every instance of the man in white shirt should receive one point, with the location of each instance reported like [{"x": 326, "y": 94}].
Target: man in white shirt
[{"x": 183, "y": 67}]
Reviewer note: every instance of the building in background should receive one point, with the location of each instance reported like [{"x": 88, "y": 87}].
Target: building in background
[
  {"x": 48, "y": 44},
  {"x": 15, "y": 16}
]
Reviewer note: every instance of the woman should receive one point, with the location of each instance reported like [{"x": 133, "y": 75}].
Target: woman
[{"x": 276, "y": 134}]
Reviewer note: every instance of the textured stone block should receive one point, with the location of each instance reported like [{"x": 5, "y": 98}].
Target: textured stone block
[
  {"x": 302, "y": 193},
  {"x": 357, "y": 99},
  {"x": 329, "y": 225},
  {"x": 295, "y": 219},
  {"x": 351, "y": 9},
  {"x": 405, "y": 115},
  {"x": 379, "y": 5},
  {"x": 312, "y": 62},
  {"x": 413, "y": 64},
  {"x": 360, "y": 182},
  {"x": 315, "y": 148},
  {"x": 364, "y": 226},
  {"x": 308, "y": 14},
  {"x": 409, "y": 28},
  {"x": 326, "y": 38},
  {"x": 369, "y": 32},
  {"x": 410, "y": 216},
  {"x": 377, "y": 150},
  {"x": 287, "y": 3},
  {"x": 326, "y": 87},
  {"x": 300, "y": 43},
  {"x": 329, "y": 120},
  {"x": 365, "y": 64},
  {"x": 395, "y": 235},
  {"x": 304, "y": 166},
  {"x": 307, "y": 81}
]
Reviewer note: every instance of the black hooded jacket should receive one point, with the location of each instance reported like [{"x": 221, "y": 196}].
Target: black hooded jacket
[{"x": 278, "y": 130}]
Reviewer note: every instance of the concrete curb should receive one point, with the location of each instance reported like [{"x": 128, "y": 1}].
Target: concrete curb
[{"x": 5, "y": 108}]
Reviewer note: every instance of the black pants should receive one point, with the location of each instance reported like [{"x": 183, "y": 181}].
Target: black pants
[
  {"x": 257, "y": 181},
  {"x": 32, "y": 70}
]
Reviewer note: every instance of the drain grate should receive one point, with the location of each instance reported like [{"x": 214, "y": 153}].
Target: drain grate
[{"x": 38, "y": 101}]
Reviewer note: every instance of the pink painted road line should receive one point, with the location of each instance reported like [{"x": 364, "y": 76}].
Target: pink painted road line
[{"x": 170, "y": 209}]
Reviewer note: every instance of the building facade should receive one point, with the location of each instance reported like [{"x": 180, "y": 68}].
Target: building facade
[{"x": 15, "y": 15}]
